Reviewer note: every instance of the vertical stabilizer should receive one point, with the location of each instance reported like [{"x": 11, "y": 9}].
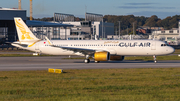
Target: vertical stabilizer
[{"x": 23, "y": 31}]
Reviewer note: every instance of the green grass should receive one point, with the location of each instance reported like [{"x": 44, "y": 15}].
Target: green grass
[
  {"x": 21, "y": 55},
  {"x": 157, "y": 84},
  {"x": 177, "y": 51}
]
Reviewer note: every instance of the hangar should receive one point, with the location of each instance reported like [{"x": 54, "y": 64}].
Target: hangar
[
  {"x": 7, "y": 27},
  {"x": 8, "y": 30}
]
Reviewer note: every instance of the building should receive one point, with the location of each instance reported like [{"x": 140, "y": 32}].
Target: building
[
  {"x": 91, "y": 29},
  {"x": 171, "y": 36},
  {"x": 52, "y": 30},
  {"x": 8, "y": 31},
  {"x": 7, "y": 26},
  {"x": 65, "y": 28},
  {"x": 146, "y": 30},
  {"x": 76, "y": 30}
]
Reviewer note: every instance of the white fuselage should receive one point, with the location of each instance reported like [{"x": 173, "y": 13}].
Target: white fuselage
[{"x": 115, "y": 47}]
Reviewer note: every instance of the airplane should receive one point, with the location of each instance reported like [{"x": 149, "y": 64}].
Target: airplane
[{"x": 99, "y": 50}]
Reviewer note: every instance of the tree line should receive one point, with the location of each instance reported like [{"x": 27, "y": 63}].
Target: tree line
[{"x": 153, "y": 21}]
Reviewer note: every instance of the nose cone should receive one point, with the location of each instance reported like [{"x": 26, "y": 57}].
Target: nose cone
[{"x": 171, "y": 50}]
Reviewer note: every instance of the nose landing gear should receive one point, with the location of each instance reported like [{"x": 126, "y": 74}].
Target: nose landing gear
[{"x": 154, "y": 58}]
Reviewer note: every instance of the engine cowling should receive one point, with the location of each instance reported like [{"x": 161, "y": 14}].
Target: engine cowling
[
  {"x": 101, "y": 56},
  {"x": 116, "y": 58}
]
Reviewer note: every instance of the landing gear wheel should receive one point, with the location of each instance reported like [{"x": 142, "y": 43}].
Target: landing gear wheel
[
  {"x": 154, "y": 59},
  {"x": 86, "y": 61},
  {"x": 96, "y": 61}
]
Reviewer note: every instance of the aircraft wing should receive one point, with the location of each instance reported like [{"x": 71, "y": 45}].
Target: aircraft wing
[{"x": 80, "y": 50}]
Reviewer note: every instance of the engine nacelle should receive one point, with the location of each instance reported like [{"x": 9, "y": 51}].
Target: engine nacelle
[
  {"x": 101, "y": 56},
  {"x": 116, "y": 58}
]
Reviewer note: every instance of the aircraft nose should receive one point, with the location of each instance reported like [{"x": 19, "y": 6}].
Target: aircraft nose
[{"x": 171, "y": 50}]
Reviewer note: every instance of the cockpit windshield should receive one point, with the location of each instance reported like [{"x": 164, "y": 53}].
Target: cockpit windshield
[{"x": 164, "y": 44}]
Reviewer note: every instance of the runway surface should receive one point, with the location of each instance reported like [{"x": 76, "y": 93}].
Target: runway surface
[{"x": 43, "y": 63}]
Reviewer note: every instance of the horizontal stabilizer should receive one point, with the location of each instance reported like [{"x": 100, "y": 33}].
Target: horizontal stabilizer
[{"x": 50, "y": 43}]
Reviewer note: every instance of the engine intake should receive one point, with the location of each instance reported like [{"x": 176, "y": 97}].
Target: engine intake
[
  {"x": 101, "y": 56},
  {"x": 116, "y": 57}
]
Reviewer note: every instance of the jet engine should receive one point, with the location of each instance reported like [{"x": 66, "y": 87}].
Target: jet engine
[
  {"x": 116, "y": 58},
  {"x": 101, "y": 56}
]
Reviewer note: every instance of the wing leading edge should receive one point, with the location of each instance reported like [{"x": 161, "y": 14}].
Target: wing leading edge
[{"x": 80, "y": 50}]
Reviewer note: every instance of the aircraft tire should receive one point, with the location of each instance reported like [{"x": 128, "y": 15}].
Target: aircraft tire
[{"x": 86, "y": 61}]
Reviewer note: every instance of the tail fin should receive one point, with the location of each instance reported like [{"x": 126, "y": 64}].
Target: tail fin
[{"x": 23, "y": 31}]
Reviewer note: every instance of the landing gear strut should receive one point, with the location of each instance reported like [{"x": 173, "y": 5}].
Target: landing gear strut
[
  {"x": 154, "y": 58},
  {"x": 87, "y": 59}
]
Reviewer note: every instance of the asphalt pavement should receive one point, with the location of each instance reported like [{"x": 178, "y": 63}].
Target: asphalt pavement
[{"x": 58, "y": 62}]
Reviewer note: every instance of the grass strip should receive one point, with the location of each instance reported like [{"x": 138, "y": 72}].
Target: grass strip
[
  {"x": 152, "y": 84},
  {"x": 22, "y": 55}
]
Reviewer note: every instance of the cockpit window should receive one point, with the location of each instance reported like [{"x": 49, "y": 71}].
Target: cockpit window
[{"x": 163, "y": 44}]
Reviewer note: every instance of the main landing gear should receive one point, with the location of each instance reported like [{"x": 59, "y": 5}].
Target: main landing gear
[
  {"x": 154, "y": 58},
  {"x": 87, "y": 60}
]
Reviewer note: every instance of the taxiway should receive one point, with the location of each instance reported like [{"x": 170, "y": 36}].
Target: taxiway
[{"x": 58, "y": 62}]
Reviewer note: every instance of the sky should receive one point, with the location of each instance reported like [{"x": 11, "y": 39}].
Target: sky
[{"x": 147, "y": 8}]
